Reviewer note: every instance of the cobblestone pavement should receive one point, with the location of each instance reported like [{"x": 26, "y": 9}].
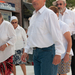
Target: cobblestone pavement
[{"x": 29, "y": 70}]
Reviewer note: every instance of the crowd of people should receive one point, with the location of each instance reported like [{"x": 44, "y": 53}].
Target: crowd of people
[{"x": 50, "y": 38}]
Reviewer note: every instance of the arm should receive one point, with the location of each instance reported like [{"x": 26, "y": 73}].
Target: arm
[
  {"x": 68, "y": 38},
  {"x": 12, "y": 38},
  {"x": 11, "y": 35},
  {"x": 24, "y": 37},
  {"x": 56, "y": 34},
  {"x": 28, "y": 50}
]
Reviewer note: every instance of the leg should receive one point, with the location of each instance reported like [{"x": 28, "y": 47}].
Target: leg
[
  {"x": 14, "y": 69},
  {"x": 47, "y": 68},
  {"x": 73, "y": 65},
  {"x": 36, "y": 63},
  {"x": 23, "y": 67},
  {"x": 73, "y": 57}
]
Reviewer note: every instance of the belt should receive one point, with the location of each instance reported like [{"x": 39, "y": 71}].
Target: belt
[{"x": 36, "y": 48}]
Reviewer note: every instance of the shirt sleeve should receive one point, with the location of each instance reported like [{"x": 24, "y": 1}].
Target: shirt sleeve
[
  {"x": 11, "y": 35},
  {"x": 28, "y": 49},
  {"x": 65, "y": 28},
  {"x": 24, "y": 37},
  {"x": 54, "y": 29}
]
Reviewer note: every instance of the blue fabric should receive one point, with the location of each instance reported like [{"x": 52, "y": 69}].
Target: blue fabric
[{"x": 43, "y": 58}]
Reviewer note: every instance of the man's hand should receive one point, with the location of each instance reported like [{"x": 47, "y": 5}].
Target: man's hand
[
  {"x": 2, "y": 48},
  {"x": 66, "y": 58},
  {"x": 57, "y": 59},
  {"x": 23, "y": 57}
]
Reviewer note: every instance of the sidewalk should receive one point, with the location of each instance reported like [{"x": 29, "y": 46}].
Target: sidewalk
[{"x": 29, "y": 70}]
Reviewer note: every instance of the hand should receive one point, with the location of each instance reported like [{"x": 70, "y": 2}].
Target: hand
[
  {"x": 23, "y": 57},
  {"x": 57, "y": 59},
  {"x": 66, "y": 58},
  {"x": 2, "y": 48}
]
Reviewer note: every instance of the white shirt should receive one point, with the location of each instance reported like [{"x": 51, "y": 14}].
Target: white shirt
[
  {"x": 69, "y": 18},
  {"x": 64, "y": 28},
  {"x": 44, "y": 31},
  {"x": 21, "y": 38},
  {"x": 7, "y": 35}
]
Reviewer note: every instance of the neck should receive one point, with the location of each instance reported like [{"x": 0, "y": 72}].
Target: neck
[
  {"x": 1, "y": 21},
  {"x": 39, "y": 8}
]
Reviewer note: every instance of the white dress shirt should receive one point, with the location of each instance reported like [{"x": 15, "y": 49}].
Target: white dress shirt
[
  {"x": 44, "y": 31},
  {"x": 64, "y": 28},
  {"x": 7, "y": 35},
  {"x": 69, "y": 18},
  {"x": 21, "y": 38}
]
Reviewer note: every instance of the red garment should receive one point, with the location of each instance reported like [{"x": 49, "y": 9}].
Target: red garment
[{"x": 6, "y": 67}]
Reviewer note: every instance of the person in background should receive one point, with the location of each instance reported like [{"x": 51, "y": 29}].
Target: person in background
[
  {"x": 64, "y": 66},
  {"x": 68, "y": 17},
  {"x": 19, "y": 46},
  {"x": 7, "y": 41},
  {"x": 45, "y": 37},
  {"x": 26, "y": 30}
]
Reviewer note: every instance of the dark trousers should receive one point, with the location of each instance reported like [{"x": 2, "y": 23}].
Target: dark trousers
[
  {"x": 43, "y": 58},
  {"x": 73, "y": 57}
]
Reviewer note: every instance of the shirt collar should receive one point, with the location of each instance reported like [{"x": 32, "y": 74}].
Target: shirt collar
[
  {"x": 40, "y": 10},
  {"x": 66, "y": 11},
  {"x": 18, "y": 27}
]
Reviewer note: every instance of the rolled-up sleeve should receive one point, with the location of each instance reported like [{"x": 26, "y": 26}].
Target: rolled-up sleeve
[
  {"x": 11, "y": 35},
  {"x": 54, "y": 29},
  {"x": 28, "y": 49},
  {"x": 24, "y": 37}
]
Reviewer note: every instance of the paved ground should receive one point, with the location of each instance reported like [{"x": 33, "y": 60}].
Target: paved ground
[{"x": 30, "y": 70}]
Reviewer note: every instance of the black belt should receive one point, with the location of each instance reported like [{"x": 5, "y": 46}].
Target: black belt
[{"x": 36, "y": 48}]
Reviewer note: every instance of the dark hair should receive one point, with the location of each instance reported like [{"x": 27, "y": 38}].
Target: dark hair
[{"x": 54, "y": 8}]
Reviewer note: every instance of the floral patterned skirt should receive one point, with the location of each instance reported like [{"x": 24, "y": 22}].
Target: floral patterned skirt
[
  {"x": 6, "y": 67},
  {"x": 17, "y": 57}
]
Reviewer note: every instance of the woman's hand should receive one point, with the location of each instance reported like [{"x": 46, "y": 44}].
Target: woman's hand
[
  {"x": 23, "y": 57},
  {"x": 2, "y": 48},
  {"x": 66, "y": 58}
]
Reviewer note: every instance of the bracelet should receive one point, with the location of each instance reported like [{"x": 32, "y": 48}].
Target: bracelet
[
  {"x": 67, "y": 53},
  {"x": 6, "y": 44}
]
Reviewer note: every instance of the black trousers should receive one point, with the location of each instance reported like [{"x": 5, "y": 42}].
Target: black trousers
[{"x": 73, "y": 57}]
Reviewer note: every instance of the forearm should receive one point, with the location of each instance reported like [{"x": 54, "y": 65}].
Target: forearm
[{"x": 69, "y": 47}]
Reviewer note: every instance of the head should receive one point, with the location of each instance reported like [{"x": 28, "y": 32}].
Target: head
[
  {"x": 55, "y": 9},
  {"x": 37, "y": 4},
  {"x": 14, "y": 21},
  {"x": 61, "y": 4},
  {"x": 1, "y": 18}
]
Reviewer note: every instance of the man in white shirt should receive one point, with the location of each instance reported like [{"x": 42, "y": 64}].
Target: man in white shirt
[
  {"x": 45, "y": 37},
  {"x": 68, "y": 17}
]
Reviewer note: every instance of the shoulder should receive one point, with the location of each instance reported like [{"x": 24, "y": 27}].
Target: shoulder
[
  {"x": 71, "y": 12},
  {"x": 8, "y": 24},
  {"x": 63, "y": 24},
  {"x": 64, "y": 27},
  {"x": 21, "y": 28},
  {"x": 49, "y": 11}
]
